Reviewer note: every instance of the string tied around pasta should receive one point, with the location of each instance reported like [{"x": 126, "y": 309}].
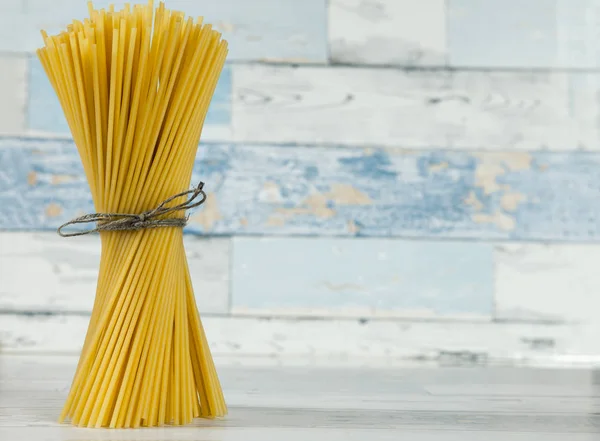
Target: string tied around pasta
[{"x": 147, "y": 219}]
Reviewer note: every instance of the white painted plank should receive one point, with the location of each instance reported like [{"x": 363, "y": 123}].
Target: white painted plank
[
  {"x": 261, "y": 29},
  {"x": 389, "y": 32},
  {"x": 333, "y": 403},
  {"x": 407, "y": 109},
  {"x": 29, "y": 380},
  {"x": 44, "y": 272},
  {"x": 257, "y": 434},
  {"x": 335, "y": 339},
  {"x": 13, "y": 93},
  {"x": 287, "y": 433},
  {"x": 361, "y": 277},
  {"x": 556, "y": 282}
]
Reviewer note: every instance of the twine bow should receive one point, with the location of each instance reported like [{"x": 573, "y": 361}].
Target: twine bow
[{"x": 147, "y": 219}]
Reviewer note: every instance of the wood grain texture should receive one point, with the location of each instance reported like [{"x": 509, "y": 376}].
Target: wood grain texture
[
  {"x": 261, "y": 29},
  {"x": 46, "y": 117},
  {"x": 42, "y": 272},
  {"x": 389, "y": 32},
  {"x": 536, "y": 281},
  {"x": 13, "y": 94},
  {"x": 361, "y": 278},
  {"x": 337, "y": 339},
  {"x": 249, "y": 432},
  {"x": 412, "y": 109},
  {"x": 270, "y": 403},
  {"x": 532, "y": 34},
  {"x": 341, "y": 191}
]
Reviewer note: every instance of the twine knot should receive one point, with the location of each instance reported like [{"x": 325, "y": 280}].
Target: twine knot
[{"x": 148, "y": 219}]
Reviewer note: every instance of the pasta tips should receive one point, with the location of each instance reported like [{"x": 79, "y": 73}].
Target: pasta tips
[{"x": 135, "y": 85}]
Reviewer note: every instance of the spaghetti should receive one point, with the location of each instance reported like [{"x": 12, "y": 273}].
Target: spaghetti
[{"x": 135, "y": 86}]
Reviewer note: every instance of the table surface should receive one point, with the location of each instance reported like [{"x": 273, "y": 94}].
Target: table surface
[{"x": 289, "y": 403}]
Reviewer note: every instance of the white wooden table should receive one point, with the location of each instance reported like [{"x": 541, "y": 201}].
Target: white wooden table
[{"x": 281, "y": 402}]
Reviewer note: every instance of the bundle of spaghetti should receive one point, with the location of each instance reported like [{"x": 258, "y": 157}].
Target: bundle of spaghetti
[{"x": 135, "y": 86}]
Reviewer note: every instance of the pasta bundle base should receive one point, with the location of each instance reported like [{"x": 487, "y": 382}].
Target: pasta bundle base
[{"x": 135, "y": 86}]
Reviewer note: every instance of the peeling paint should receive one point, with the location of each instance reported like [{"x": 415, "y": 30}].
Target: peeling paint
[
  {"x": 275, "y": 220},
  {"x": 338, "y": 190},
  {"x": 438, "y": 167},
  {"x": 493, "y": 165},
  {"x": 489, "y": 168},
  {"x": 61, "y": 179},
  {"x": 501, "y": 220},
  {"x": 53, "y": 210},
  {"x": 514, "y": 160},
  {"x": 270, "y": 192},
  {"x": 316, "y": 204},
  {"x": 510, "y": 201},
  {"x": 32, "y": 178},
  {"x": 209, "y": 213},
  {"x": 345, "y": 194},
  {"x": 485, "y": 177},
  {"x": 352, "y": 227},
  {"x": 472, "y": 201}
]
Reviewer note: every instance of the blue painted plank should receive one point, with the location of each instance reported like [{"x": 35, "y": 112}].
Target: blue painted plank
[
  {"x": 386, "y": 277},
  {"x": 261, "y": 29},
  {"x": 300, "y": 190},
  {"x": 515, "y": 33},
  {"x": 46, "y": 115},
  {"x": 511, "y": 33}
]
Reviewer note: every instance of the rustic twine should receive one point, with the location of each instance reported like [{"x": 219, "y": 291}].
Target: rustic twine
[{"x": 134, "y": 222}]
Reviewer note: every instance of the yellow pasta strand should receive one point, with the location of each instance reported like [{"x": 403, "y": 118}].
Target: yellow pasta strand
[{"x": 135, "y": 86}]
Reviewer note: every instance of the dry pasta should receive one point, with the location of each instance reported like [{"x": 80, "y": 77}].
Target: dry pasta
[{"x": 135, "y": 86}]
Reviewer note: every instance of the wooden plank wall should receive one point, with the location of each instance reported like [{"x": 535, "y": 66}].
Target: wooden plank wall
[{"x": 422, "y": 177}]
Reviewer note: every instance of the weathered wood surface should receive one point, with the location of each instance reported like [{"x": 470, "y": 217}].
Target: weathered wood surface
[
  {"x": 46, "y": 118},
  {"x": 283, "y": 190},
  {"x": 389, "y": 32},
  {"x": 517, "y": 34},
  {"x": 328, "y": 277},
  {"x": 13, "y": 93},
  {"x": 415, "y": 109},
  {"x": 361, "y": 278},
  {"x": 243, "y": 428},
  {"x": 43, "y": 272},
  {"x": 382, "y": 341},
  {"x": 270, "y": 403},
  {"x": 293, "y": 277},
  {"x": 261, "y": 29},
  {"x": 29, "y": 380},
  {"x": 537, "y": 281}
]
